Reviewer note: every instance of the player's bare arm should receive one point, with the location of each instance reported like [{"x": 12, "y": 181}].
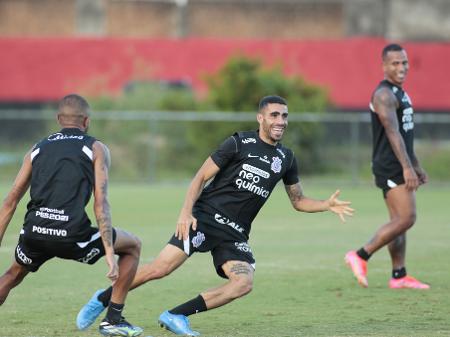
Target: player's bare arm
[
  {"x": 206, "y": 172},
  {"x": 304, "y": 204},
  {"x": 19, "y": 188},
  {"x": 102, "y": 162},
  {"x": 385, "y": 105}
]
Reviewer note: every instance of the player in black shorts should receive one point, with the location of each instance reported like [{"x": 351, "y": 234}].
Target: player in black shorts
[
  {"x": 62, "y": 171},
  {"x": 396, "y": 169},
  {"x": 217, "y": 217}
]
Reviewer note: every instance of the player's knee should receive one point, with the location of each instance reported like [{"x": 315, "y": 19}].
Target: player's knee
[
  {"x": 127, "y": 244},
  {"x": 137, "y": 245},
  {"x": 408, "y": 220},
  {"x": 3, "y": 296},
  {"x": 12, "y": 277},
  {"x": 242, "y": 287},
  {"x": 412, "y": 218},
  {"x": 156, "y": 271},
  {"x": 247, "y": 288}
]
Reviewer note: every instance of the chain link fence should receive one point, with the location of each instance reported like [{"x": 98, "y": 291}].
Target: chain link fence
[{"x": 149, "y": 147}]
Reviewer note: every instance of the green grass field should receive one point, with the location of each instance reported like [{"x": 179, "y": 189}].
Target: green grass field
[{"x": 302, "y": 287}]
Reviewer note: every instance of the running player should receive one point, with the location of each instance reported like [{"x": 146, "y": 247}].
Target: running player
[
  {"x": 217, "y": 218},
  {"x": 396, "y": 169},
  {"x": 62, "y": 171}
]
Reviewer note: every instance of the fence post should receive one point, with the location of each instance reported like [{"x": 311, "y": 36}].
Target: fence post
[
  {"x": 152, "y": 150},
  {"x": 354, "y": 158}
]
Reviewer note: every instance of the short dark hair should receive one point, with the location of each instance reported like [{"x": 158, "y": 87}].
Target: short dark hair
[
  {"x": 270, "y": 100},
  {"x": 390, "y": 47},
  {"x": 76, "y": 103}
]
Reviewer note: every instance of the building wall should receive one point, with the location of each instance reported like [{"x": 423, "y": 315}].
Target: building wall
[
  {"x": 141, "y": 19},
  {"x": 291, "y": 19},
  {"x": 200, "y": 18},
  {"x": 419, "y": 20},
  {"x": 366, "y": 17},
  {"x": 37, "y": 18},
  {"x": 90, "y": 17},
  {"x": 265, "y": 20}
]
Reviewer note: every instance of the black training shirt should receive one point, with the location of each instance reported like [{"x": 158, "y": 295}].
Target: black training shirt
[
  {"x": 384, "y": 160},
  {"x": 61, "y": 186},
  {"x": 249, "y": 171}
]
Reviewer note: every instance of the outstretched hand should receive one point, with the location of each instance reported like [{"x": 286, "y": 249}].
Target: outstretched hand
[{"x": 339, "y": 207}]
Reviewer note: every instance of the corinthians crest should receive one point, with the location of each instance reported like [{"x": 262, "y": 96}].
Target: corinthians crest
[
  {"x": 198, "y": 239},
  {"x": 276, "y": 164}
]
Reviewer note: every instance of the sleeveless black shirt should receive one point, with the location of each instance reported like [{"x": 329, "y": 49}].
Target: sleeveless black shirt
[
  {"x": 61, "y": 186},
  {"x": 384, "y": 161}
]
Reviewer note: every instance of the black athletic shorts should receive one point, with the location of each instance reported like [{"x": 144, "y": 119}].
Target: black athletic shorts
[
  {"x": 33, "y": 253},
  {"x": 223, "y": 248},
  {"x": 387, "y": 184}
]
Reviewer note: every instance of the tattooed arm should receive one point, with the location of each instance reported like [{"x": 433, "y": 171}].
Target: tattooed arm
[
  {"x": 16, "y": 193},
  {"x": 102, "y": 211},
  {"x": 304, "y": 204},
  {"x": 385, "y": 105}
]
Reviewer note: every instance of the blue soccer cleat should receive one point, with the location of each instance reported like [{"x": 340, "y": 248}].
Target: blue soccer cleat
[
  {"x": 178, "y": 324},
  {"x": 121, "y": 329},
  {"x": 89, "y": 313}
]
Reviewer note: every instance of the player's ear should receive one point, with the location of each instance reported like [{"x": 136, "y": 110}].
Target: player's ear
[
  {"x": 384, "y": 66},
  {"x": 58, "y": 118},
  {"x": 86, "y": 122},
  {"x": 259, "y": 117}
]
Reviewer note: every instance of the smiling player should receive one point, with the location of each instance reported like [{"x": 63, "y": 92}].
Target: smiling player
[
  {"x": 217, "y": 218},
  {"x": 396, "y": 169}
]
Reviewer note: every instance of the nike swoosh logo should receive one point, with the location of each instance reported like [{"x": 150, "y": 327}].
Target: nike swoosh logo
[{"x": 251, "y": 156}]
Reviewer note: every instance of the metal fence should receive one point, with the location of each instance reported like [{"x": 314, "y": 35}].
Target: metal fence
[{"x": 170, "y": 146}]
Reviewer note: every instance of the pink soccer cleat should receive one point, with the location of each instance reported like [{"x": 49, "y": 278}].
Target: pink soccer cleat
[
  {"x": 358, "y": 267},
  {"x": 407, "y": 282}
]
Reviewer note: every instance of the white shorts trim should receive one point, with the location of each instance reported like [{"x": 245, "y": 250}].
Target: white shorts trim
[
  {"x": 187, "y": 246},
  {"x": 93, "y": 238}
]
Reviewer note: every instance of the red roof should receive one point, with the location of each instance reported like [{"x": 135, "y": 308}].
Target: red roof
[{"x": 46, "y": 69}]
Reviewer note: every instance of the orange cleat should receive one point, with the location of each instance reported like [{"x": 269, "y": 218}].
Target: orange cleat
[
  {"x": 358, "y": 267},
  {"x": 407, "y": 282}
]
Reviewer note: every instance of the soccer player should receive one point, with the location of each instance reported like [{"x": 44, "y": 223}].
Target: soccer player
[
  {"x": 396, "y": 169},
  {"x": 62, "y": 171},
  {"x": 217, "y": 217}
]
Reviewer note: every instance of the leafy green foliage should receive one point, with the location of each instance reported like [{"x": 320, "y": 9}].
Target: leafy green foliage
[
  {"x": 236, "y": 87},
  {"x": 240, "y": 84},
  {"x": 139, "y": 147},
  {"x": 243, "y": 81},
  {"x": 148, "y": 96}
]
